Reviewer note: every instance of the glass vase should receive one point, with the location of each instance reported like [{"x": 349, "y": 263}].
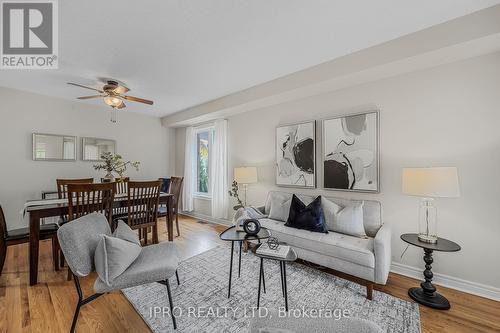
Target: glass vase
[{"x": 427, "y": 222}]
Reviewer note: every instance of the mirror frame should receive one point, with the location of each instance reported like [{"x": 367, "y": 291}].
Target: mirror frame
[
  {"x": 83, "y": 147},
  {"x": 53, "y": 159}
]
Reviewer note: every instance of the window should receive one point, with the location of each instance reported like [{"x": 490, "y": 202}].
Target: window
[{"x": 203, "y": 143}]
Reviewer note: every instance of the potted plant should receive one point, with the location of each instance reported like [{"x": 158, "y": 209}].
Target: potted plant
[{"x": 114, "y": 163}]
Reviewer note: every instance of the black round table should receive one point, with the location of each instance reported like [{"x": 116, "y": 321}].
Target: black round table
[
  {"x": 427, "y": 295},
  {"x": 232, "y": 235}
]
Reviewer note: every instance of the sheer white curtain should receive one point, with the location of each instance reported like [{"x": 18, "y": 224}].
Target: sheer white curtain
[
  {"x": 218, "y": 169},
  {"x": 189, "y": 170}
]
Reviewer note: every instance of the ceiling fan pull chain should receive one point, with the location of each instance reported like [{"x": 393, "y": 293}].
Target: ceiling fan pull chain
[{"x": 114, "y": 115}]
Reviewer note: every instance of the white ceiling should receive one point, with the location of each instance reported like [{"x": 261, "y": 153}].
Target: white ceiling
[{"x": 185, "y": 52}]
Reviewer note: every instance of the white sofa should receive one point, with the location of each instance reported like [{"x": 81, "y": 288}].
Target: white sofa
[{"x": 366, "y": 258}]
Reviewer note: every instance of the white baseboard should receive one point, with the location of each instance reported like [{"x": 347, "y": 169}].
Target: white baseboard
[
  {"x": 449, "y": 281},
  {"x": 207, "y": 218}
]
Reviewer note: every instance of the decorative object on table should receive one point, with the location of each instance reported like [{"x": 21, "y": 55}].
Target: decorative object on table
[
  {"x": 243, "y": 214},
  {"x": 93, "y": 148},
  {"x": 115, "y": 163},
  {"x": 234, "y": 193},
  {"x": 232, "y": 235},
  {"x": 272, "y": 249},
  {"x": 350, "y": 152},
  {"x": 310, "y": 217},
  {"x": 429, "y": 183},
  {"x": 273, "y": 243},
  {"x": 251, "y": 227},
  {"x": 296, "y": 155},
  {"x": 427, "y": 294},
  {"x": 245, "y": 176}
]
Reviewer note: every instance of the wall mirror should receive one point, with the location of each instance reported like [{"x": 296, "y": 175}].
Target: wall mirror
[
  {"x": 53, "y": 147},
  {"x": 92, "y": 148}
]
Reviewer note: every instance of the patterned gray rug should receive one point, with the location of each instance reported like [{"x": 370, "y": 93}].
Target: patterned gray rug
[{"x": 202, "y": 305}]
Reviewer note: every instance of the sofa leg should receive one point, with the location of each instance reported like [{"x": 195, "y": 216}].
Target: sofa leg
[{"x": 369, "y": 291}]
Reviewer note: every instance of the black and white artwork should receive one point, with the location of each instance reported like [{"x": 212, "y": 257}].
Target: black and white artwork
[
  {"x": 350, "y": 153},
  {"x": 295, "y": 155}
]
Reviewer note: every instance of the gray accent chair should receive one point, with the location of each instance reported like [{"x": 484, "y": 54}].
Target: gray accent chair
[
  {"x": 366, "y": 259},
  {"x": 78, "y": 240}
]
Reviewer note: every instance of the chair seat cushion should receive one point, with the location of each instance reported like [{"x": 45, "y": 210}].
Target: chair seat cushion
[
  {"x": 155, "y": 263},
  {"x": 162, "y": 211},
  {"x": 45, "y": 229},
  {"x": 349, "y": 248}
]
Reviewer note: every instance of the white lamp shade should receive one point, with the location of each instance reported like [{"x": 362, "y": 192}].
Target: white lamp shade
[
  {"x": 245, "y": 175},
  {"x": 440, "y": 182}
]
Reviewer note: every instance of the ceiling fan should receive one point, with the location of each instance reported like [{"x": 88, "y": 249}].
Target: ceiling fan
[{"x": 112, "y": 94}]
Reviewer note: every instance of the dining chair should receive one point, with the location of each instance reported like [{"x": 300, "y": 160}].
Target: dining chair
[
  {"x": 84, "y": 199},
  {"x": 121, "y": 188},
  {"x": 62, "y": 185},
  {"x": 22, "y": 235},
  {"x": 165, "y": 184},
  {"x": 175, "y": 189},
  {"x": 142, "y": 205}
]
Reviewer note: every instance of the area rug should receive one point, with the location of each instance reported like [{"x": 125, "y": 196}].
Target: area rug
[{"x": 201, "y": 302}]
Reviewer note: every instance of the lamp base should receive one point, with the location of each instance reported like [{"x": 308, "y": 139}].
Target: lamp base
[{"x": 427, "y": 238}]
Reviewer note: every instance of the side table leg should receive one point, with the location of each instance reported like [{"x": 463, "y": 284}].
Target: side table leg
[
  {"x": 239, "y": 263},
  {"x": 230, "y": 270},
  {"x": 260, "y": 282},
  {"x": 285, "y": 286},
  {"x": 427, "y": 295}
]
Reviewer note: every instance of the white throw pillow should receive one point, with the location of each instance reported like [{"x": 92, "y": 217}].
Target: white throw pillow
[
  {"x": 330, "y": 209},
  {"x": 113, "y": 256},
  {"x": 349, "y": 220},
  {"x": 123, "y": 231},
  {"x": 280, "y": 210}
]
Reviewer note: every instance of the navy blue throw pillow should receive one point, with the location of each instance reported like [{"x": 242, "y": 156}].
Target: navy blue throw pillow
[{"x": 310, "y": 217}]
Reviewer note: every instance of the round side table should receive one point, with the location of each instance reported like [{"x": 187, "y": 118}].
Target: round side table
[{"x": 427, "y": 295}]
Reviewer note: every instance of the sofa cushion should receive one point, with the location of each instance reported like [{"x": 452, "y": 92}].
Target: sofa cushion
[
  {"x": 330, "y": 209},
  {"x": 279, "y": 209},
  {"x": 372, "y": 210},
  {"x": 349, "y": 220},
  {"x": 353, "y": 249},
  {"x": 308, "y": 217}
]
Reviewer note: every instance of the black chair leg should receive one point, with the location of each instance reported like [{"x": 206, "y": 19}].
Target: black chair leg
[
  {"x": 171, "y": 304},
  {"x": 80, "y": 297},
  {"x": 177, "y": 276}
]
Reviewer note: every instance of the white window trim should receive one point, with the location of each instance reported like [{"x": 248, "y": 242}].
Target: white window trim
[{"x": 196, "y": 194}]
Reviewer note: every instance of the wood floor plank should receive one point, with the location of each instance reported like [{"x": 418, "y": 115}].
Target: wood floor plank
[{"x": 49, "y": 306}]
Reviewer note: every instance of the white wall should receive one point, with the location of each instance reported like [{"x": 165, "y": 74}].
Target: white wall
[
  {"x": 448, "y": 115},
  {"x": 138, "y": 137}
]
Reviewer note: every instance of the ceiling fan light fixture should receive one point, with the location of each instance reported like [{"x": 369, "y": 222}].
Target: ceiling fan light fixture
[{"x": 112, "y": 101}]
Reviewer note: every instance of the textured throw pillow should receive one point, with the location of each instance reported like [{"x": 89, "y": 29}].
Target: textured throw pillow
[
  {"x": 330, "y": 209},
  {"x": 349, "y": 221},
  {"x": 308, "y": 217},
  {"x": 113, "y": 256},
  {"x": 124, "y": 232},
  {"x": 279, "y": 210}
]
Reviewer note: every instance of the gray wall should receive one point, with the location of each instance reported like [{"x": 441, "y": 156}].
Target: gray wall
[{"x": 445, "y": 116}]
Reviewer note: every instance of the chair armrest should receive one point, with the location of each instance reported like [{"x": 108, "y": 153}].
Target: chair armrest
[{"x": 382, "y": 251}]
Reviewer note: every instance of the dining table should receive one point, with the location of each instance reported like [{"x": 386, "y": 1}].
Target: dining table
[{"x": 40, "y": 209}]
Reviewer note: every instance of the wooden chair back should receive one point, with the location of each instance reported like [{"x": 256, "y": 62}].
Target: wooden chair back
[
  {"x": 122, "y": 185},
  {"x": 143, "y": 198},
  {"x": 62, "y": 185},
  {"x": 175, "y": 189},
  {"x": 84, "y": 199}
]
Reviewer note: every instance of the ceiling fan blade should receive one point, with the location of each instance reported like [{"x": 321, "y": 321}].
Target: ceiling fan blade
[
  {"x": 121, "y": 106},
  {"x": 137, "y": 99},
  {"x": 89, "y": 97},
  {"x": 82, "y": 86}
]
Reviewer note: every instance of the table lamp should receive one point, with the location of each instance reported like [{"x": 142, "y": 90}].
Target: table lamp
[
  {"x": 430, "y": 183},
  {"x": 245, "y": 176}
]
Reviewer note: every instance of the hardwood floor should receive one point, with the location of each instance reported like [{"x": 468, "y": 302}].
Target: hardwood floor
[{"x": 49, "y": 306}]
